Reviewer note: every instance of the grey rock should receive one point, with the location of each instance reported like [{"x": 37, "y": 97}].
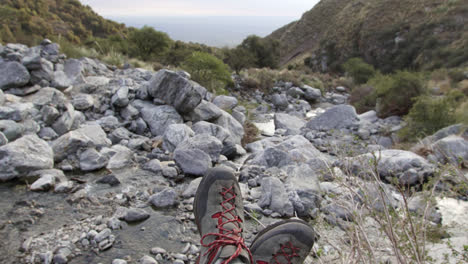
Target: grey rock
[
  {"x": 44, "y": 183},
  {"x": 121, "y": 159},
  {"x": 164, "y": 199},
  {"x": 2, "y": 97},
  {"x": 385, "y": 142},
  {"x": 337, "y": 117},
  {"x": 377, "y": 196},
  {"x": 176, "y": 90},
  {"x": 74, "y": 69},
  {"x": 119, "y": 261},
  {"x": 452, "y": 149},
  {"x": 176, "y": 134},
  {"x": 369, "y": 116},
  {"x": 47, "y": 133},
  {"x": 274, "y": 197},
  {"x": 49, "y": 114},
  {"x": 50, "y": 48},
  {"x": 216, "y": 131},
  {"x": 91, "y": 160},
  {"x": 191, "y": 189},
  {"x": 63, "y": 187},
  {"x": 225, "y": 102},
  {"x": 13, "y": 74},
  {"x": 295, "y": 92},
  {"x": 192, "y": 161},
  {"x": 114, "y": 223},
  {"x": 11, "y": 129},
  {"x": 65, "y": 122},
  {"x": 135, "y": 215},
  {"x": 303, "y": 180},
  {"x": 280, "y": 101},
  {"x": 25, "y": 90},
  {"x": 311, "y": 94},
  {"x": 119, "y": 134},
  {"x": 129, "y": 112},
  {"x": 49, "y": 96},
  {"x": 24, "y": 155},
  {"x": 109, "y": 179},
  {"x": 147, "y": 260},
  {"x": 43, "y": 71},
  {"x": 205, "y": 111},
  {"x": 83, "y": 101},
  {"x": 206, "y": 143},
  {"x": 86, "y": 137},
  {"x": 292, "y": 124},
  {"x": 60, "y": 80},
  {"x": 170, "y": 172},
  {"x": 120, "y": 98},
  {"x": 158, "y": 250},
  {"x": 109, "y": 123},
  {"x": 3, "y": 139},
  {"x": 103, "y": 235},
  {"x": 236, "y": 130},
  {"x": 153, "y": 165},
  {"x": 393, "y": 163},
  {"x": 158, "y": 117},
  {"x": 239, "y": 116}
]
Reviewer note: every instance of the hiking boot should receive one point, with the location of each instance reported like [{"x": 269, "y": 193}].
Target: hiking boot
[
  {"x": 286, "y": 242},
  {"x": 219, "y": 215}
]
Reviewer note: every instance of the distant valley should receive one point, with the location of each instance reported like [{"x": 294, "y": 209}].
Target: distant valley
[{"x": 212, "y": 31}]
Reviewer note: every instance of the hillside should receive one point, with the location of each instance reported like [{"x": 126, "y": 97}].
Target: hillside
[
  {"x": 390, "y": 34},
  {"x": 30, "y": 21}
]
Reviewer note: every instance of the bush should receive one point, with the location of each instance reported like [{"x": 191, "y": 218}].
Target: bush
[
  {"x": 427, "y": 116},
  {"x": 461, "y": 113},
  {"x": 359, "y": 70},
  {"x": 209, "y": 71},
  {"x": 149, "y": 43},
  {"x": 363, "y": 98},
  {"x": 395, "y": 92}
]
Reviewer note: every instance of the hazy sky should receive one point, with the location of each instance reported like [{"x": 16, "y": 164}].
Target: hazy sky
[{"x": 288, "y": 8}]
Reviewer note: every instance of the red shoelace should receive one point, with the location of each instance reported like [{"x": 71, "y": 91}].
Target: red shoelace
[
  {"x": 288, "y": 251},
  {"x": 226, "y": 237}
]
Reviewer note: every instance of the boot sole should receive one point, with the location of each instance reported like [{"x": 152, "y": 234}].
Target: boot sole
[{"x": 280, "y": 223}]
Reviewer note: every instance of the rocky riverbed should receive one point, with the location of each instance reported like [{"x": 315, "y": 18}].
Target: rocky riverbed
[{"x": 100, "y": 165}]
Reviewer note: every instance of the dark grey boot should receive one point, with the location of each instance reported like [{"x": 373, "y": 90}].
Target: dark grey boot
[
  {"x": 286, "y": 242},
  {"x": 219, "y": 215}
]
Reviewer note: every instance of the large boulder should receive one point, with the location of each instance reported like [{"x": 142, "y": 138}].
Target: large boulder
[
  {"x": 74, "y": 69},
  {"x": 205, "y": 111},
  {"x": 311, "y": 94},
  {"x": 275, "y": 197},
  {"x": 292, "y": 124},
  {"x": 29, "y": 153},
  {"x": 337, "y": 117},
  {"x": 122, "y": 158},
  {"x": 91, "y": 159},
  {"x": 232, "y": 125},
  {"x": 192, "y": 161},
  {"x": 225, "y": 102},
  {"x": 85, "y": 137},
  {"x": 216, "y": 131},
  {"x": 158, "y": 117},
  {"x": 406, "y": 167},
  {"x": 176, "y": 134},
  {"x": 280, "y": 101},
  {"x": 452, "y": 149},
  {"x": 204, "y": 142},
  {"x": 176, "y": 90},
  {"x": 13, "y": 74}
]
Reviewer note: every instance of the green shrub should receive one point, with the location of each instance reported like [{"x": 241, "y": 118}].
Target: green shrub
[
  {"x": 209, "y": 71},
  {"x": 428, "y": 115},
  {"x": 359, "y": 70},
  {"x": 363, "y": 98},
  {"x": 461, "y": 113},
  {"x": 148, "y": 43},
  {"x": 395, "y": 92}
]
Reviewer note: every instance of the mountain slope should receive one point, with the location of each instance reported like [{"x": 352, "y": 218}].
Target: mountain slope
[
  {"x": 29, "y": 21},
  {"x": 390, "y": 34}
]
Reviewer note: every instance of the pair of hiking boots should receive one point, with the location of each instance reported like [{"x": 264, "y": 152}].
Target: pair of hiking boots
[{"x": 219, "y": 215}]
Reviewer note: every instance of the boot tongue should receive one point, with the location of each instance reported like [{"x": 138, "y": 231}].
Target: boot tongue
[{"x": 229, "y": 250}]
